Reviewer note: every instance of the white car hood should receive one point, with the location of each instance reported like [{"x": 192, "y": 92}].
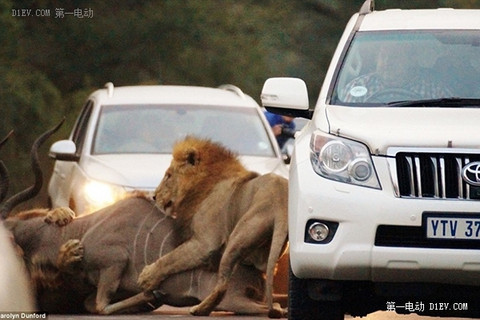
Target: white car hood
[
  {"x": 129, "y": 170},
  {"x": 381, "y": 128},
  {"x": 146, "y": 171},
  {"x": 265, "y": 165}
]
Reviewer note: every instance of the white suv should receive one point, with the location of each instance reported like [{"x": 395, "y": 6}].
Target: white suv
[
  {"x": 123, "y": 137},
  {"x": 384, "y": 187}
]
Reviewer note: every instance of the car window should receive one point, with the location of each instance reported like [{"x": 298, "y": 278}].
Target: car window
[
  {"x": 155, "y": 128},
  {"x": 392, "y": 66}
]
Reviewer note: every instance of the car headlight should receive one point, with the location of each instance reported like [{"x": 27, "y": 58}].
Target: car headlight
[
  {"x": 342, "y": 160},
  {"x": 99, "y": 194}
]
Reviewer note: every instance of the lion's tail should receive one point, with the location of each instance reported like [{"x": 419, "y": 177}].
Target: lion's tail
[{"x": 279, "y": 239}]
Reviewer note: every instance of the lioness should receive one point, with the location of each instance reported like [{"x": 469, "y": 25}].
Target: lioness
[{"x": 219, "y": 205}]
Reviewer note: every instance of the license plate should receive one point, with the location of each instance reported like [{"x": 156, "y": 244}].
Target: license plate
[{"x": 451, "y": 227}]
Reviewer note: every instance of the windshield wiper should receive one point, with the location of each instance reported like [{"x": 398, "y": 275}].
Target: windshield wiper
[{"x": 442, "y": 102}]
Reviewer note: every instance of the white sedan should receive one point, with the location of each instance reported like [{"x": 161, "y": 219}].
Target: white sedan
[{"x": 123, "y": 138}]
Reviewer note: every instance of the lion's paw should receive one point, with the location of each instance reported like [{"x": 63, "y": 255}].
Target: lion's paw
[
  {"x": 70, "y": 255},
  {"x": 149, "y": 278},
  {"x": 60, "y": 216}
]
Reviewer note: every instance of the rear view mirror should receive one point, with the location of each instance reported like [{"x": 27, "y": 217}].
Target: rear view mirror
[
  {"x": 64, "y": 150},
  {"x": 288, "y": 96}
]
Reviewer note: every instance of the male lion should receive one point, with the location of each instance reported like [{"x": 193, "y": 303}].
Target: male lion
[{"x": 219, "y": 205}]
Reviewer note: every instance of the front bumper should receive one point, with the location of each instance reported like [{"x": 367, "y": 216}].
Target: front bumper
[{"x": 352, "y": 253}]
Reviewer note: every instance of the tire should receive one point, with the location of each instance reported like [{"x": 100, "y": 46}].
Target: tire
[{"x": 302, "y": 307}]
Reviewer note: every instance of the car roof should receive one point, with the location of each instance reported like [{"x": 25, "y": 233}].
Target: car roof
[
  {"x": 441, "y": 19},
  {"x": 226, "y": 95}
]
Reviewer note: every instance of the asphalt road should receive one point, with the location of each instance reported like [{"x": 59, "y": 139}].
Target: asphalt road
[{"x": 182, "y": 314}]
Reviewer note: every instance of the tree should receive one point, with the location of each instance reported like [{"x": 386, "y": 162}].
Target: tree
[{"x": 49, "y": 65}]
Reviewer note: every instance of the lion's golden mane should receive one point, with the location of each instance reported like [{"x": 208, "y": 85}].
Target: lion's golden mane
[{"x": 198, "y": 165}]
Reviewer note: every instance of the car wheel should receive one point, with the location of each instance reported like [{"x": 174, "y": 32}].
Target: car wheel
[{"x": 302, "y": 307}]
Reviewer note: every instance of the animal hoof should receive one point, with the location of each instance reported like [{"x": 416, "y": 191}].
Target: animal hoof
[
  {"x": 198, "y": 311},
  {"x": 60, "y": 216}
]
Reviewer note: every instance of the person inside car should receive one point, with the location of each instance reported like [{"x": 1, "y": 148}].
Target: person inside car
[{"x": 397, "y": 78}]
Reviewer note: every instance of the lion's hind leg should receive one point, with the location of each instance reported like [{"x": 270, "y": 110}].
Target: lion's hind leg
[
  {"x": 248, "y": 235},
  {"x": 210, "y": 302},
  {"x": 246, "y": 292}
]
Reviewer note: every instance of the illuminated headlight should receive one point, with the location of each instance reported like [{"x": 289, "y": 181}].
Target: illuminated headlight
[
  {"x": 342, "y": 160},
  {"x": 99, "y": 194}
]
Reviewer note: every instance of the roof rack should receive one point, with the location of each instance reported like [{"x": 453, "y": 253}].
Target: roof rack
[
  {"x": 109, "y": 86},
  {"x": 367, "y": 7},
  {"x": 234, "y": 89}
]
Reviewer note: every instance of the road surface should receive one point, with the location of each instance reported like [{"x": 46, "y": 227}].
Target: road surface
[{"x": 182, "y": 314}]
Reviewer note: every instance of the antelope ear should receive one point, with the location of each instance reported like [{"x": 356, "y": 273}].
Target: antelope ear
[{"x": 192, "y": 156}]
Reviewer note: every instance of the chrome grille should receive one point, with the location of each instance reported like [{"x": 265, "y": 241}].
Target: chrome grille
[{"x": 434, "y": 175}]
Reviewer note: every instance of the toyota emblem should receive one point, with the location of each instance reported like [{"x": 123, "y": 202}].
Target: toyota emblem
[{"x": 471, "y": 173}]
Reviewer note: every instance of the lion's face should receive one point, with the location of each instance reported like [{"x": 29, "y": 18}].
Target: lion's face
[
  {"x": 180, "y": 178},
  {"x": 165, "y": 194},
  {"x": 197, "y": 166}
]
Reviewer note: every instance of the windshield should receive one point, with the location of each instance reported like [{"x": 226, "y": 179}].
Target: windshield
[
  {"x": 155, "y": 128},
  {"x": 395, "y": 66}
]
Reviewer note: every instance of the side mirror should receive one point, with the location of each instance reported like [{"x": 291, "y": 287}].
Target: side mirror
[
  {"x": 64, "y": 150},
  {"x": 287, "y": 96}
]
